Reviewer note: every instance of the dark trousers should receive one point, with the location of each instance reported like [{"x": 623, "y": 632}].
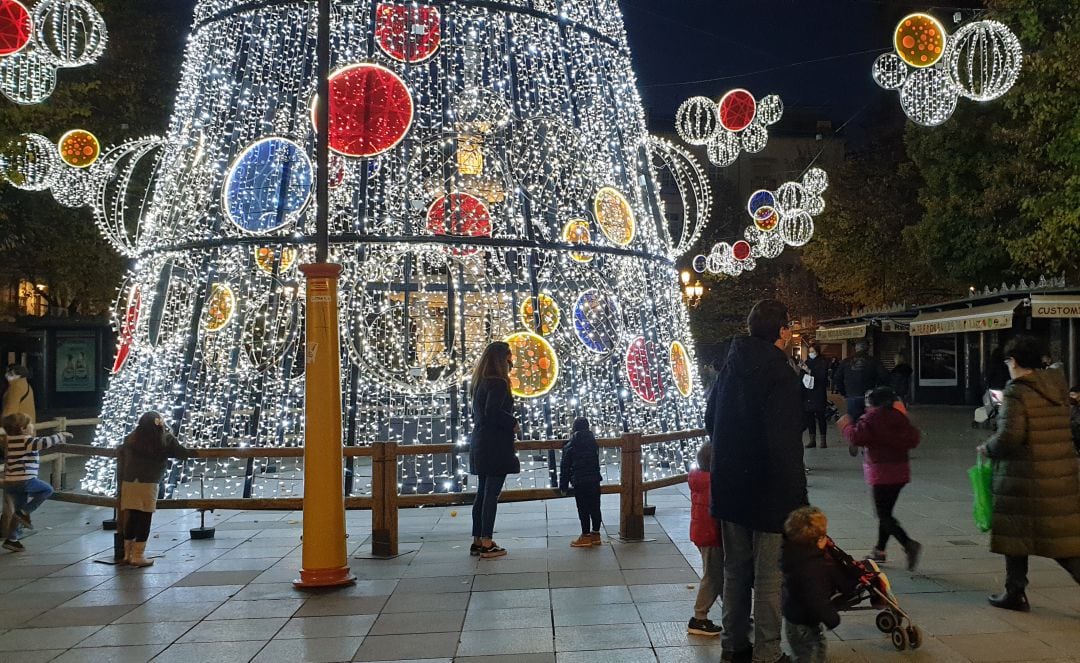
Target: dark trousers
[
  {"x": 855, "y": 407},
  {"x": 1016, "y": 570},
  {"x": 587, "y": 496},
  {"x": 818, "y": 416},
  {"x": 884, "y": 501},
  {"x": 486, "y": 505},
  {"x": 137, "y": 525}
]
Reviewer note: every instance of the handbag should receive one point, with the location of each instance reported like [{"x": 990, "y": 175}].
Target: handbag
[
  {"x": 982, "y": 478},
  {"x": 808, "y": 381}
]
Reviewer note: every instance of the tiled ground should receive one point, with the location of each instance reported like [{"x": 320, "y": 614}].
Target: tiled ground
[{"x": 230, "y": 599}]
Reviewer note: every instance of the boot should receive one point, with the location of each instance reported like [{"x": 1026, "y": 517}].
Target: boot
[
  {"x": 813, "y": 443},
  {"x": 583, "y": 541},
  {"x": 1016, "y": 601},
  {"x": 595, "y": 538},
  {"x": 127, "y": 551},
  {"x": 138, "y": 560},
  {"x": 824, "y": 443}
]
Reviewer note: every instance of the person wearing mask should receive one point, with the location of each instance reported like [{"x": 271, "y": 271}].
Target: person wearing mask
[
  {"x": 815, "y": 397},
  {"x": 758, "y": 478},
  {"x": 1036, "y": 485}
]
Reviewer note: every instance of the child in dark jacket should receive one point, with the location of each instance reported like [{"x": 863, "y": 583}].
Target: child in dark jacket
[
  {"x": 888, "y": 436},
  {"x": 810, "y": 579},
  {"x": 705, "y": 534},
  {"x": 581, "y": 467}
]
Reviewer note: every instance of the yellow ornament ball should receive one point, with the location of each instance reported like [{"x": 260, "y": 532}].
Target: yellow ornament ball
[{"x": 79, "y": 148}]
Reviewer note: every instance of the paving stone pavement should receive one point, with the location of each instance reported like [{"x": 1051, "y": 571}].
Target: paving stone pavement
[{"x": 230, "y": 599}]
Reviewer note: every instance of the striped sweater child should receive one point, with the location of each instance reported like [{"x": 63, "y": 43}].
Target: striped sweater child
[{"x": 23, "y": 455}]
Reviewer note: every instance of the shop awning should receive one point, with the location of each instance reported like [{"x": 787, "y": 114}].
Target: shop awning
[
  {"x": 978, "y": 318},
  {"x": 841, "y": 332},
  {"x": 1055, "y": 306}
]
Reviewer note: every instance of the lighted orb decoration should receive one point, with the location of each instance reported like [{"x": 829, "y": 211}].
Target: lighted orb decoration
[
  {"x": 932, "y": 69},
  {"x": 680, "y": 369},
  {"x": 121, "y": 197},
  {"x": 459, "y": 215},
  {"x": 371, "y": 110},
  {"x": 761, "y": 203},
  {"x": 268, "y": 185},
  {"x": 741, "y": 124},
  {"x": 79, "y": 148},
  {"x": 731, "y": 259},
  {"x": 71, "y": 32},
  {"x": 26, "y": 78},
  {"x": 407, "y": 33},
  {"x": 697, "y": 120},
  {"x": 678, "y": 165},
  {"x": 15, "y": 27},
  {"x": 550, "y": 316},
  {"x": 700, "y": 263},
  {"x": 126, "y": 328},
  {"x": 737, "y": 110},
  {"x": 267, "y": 259},
  {"x": 220, "y": 307},
  {"x": 73, "y": 187},
  {"x": 740, "y": 250},
  {"x": 723, "y": 149},
  {"x": 597, "y": 323},
  {"x": 614, "y": 215},
  {"x": 578, "y": 231},
  {"x": 642, "y": 370},
  {"x": 31, "y": 163},
  {"x": 764, "y": 245},
  {"x": 536, "y": 366}
]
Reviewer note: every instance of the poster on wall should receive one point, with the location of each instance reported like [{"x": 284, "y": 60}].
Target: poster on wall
[
  {"x": 76, "y": 359},
  {"x": 937, "y": 361}
]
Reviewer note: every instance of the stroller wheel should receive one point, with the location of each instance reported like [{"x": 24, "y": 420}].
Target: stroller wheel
[
  {"x": 886, "y": 621},
  {"x": 914, "y": 634},
  {"x": 900, "y": 639}
]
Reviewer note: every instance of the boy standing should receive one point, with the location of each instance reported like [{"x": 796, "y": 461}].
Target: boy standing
[
  {"x": 581, "y": 466},
  {"x": 22, "y": 485},
  {"x": 808, "y": 584}
]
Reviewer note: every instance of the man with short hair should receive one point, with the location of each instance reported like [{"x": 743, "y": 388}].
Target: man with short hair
[
  {"x": 858, "y": 375},
  {"x": 758, "y": 478}
]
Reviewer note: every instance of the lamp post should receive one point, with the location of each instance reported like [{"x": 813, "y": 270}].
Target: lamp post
[{"x": 692, "y": 293}]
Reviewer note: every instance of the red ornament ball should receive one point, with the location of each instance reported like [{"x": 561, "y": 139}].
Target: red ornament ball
[
  {"x": 15, "y": 27},
  {"x": 371, "y": 110},
  {"x": 459, "y": 215},
  {"x": 737, "y": 110},
  {"x": 643, "y": 370},
  {"x": 741, "y": 250},
  {"x": 407, "y": 33},
  {"x": 127, "y": 329}
]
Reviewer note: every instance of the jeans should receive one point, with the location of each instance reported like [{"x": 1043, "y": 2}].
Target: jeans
[
  {"x": 712, "y": 580},
  {"x": 751, "y": 562},
  {"x": 587, "y": 497},
  {"x": 486, "y": 505},
  {"x": 1016, "y": 570},
  {"x": 856, "y": 407},
  {"x": 807, "y": 642},
  {"x": 884, "y": 501},
  {"x": 27, "y": 496},
  {"x": 817, "y": 416}
]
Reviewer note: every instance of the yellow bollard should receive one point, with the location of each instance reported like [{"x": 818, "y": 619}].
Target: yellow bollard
[{"x": 324, "y": 562}]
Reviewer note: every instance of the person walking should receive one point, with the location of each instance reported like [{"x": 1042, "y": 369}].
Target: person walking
[
  {"x": 888, "y": 436},
  {"x": 815, "y": 380},
  {"x": 758, "y": 478},
  {"x": 857, "y": 375},
  {"x": 1036, "y": 487},
  {"x": 491, "y": 449},
  {"x": 580, "y": 466},
  {"x": 900, "y": 377},
  {"x": 144, "y": 456},
  {"x": 705, "y": 534},
  {"x": 22, "y": 487}
]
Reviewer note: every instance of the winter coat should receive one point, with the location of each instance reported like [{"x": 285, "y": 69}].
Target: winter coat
[
  {"x": 860, "y": 374},
  {"x": 150, "y": 467},
  {"x": 1074, "y": 423},
  {"x": 19, "y": 397},
  {"x": 900, "y": 379},
  {"x": 814, "y": 400},
  {"x": 1036, "y": 485},
  {"x": 758, "y": 477},
  {"x": 704, "y": 530},
  {"x": 888, "y": 436},
  {"x": 491, "y": 450},
  {"x": 580, "y": 461},
  {"x": 810, "y": 579}
]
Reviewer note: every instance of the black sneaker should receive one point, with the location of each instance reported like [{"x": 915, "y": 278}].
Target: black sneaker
[
  {"x": 13, "y": 546},
  {"x": 703, "y": 627},
  {"x": 1004, "y": 600},
  {"x": 24, "y": 519}
]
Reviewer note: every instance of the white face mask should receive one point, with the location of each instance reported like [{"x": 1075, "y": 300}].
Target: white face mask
[
  {"x": 11, "y": 377},
  {"x": 813, "y": 355}
]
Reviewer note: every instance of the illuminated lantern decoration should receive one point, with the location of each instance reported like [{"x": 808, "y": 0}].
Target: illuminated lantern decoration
[
  {"x": 79, "y": 148},
  {"x": 919, "y": 40},
  {"x": 220, "y": 307},
  {"x": 371, "y": 110},
  {"x": 697, "y": 120},
  {"x": 680, "y": 369},
  {"x": 758, "y": 199},
  {"x": 470, "y": 158},
  {"x": 127, "y": 328},
  {"x": 737, "y": 110},
  {"x": 550, "y": 316},
  {"x": 15, "y": 27},
  {"x": 642, "y": 364},
  {"x": 740, "y": 250},
  {"x": 614, "y": 215},
  {"x": 797, "y": 228},
  {"x": 268, "y": 185},
  {"x": 596, "y": 321},
  {"x": 766, "y": 219},
  {"x": 71, "y": 32},
  {"x": 929, "y": 97},
  {"x": 407, "y": 33},
  {"x": 983, "y": 59},
  {"x": 536, "y": 367},
  {"x": 459, "y": 215},
  {"x": 577, "y": 232},
  {"x": 266, "y": 257}
]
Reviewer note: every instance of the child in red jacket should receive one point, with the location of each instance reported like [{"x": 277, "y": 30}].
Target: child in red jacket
[
  {"x": 705, "y": 534},
  {"x": 888, "y": 436}
]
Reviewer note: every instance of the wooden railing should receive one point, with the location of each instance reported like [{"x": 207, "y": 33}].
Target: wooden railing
[{"x": 385, "y": 501}]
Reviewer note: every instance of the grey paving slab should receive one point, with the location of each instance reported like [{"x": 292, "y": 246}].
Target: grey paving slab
[
  {"x": 310, "y": 650},
  {"x": 506, "y": 642},
  {"x": 254, "y": 609},
  {"x": 29, "y": 639},
  {"x": 601, "y": 638},
  {"x": 499, "y": 618},
  {"x": 121, "y": 635},
  {"x": 126, "y": 654},
  {"x": 443, "y": 621},
  {"x": 226, "y": 630},
  {"x": 352, "y": 605},
  {"x": 327, "y": 627},
  {"x": 406, "y": 647},
  {"x": 211, "y": 652},
  {"x": 590, "y": 615},
  {"x": 406, "y": 602},
  {"x": 624, "y": 656},
  {"x": 163, "y": 612}
]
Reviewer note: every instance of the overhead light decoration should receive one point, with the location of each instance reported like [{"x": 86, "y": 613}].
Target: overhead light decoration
[
  {"x": 491, "y": 179},
  {"x": 932, "y": 70},
  {"x": 726, "y": 128},
  {"x": 678, "y": 166}
]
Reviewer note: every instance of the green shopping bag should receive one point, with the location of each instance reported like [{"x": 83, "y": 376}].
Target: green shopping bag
[{"x": 982, "y": 477}]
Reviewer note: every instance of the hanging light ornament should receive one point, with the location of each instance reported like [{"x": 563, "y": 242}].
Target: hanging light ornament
[
  {"x": 679, "y": 166},
  {"x": 697, "y": 120},
  {"x": 15, "y": 27},
  {"x": 31, "y": 162},
  {"x": 735, "y": 124},
  {"x": 26, "y": 78},
  {"x": 79, "y": 148},
  {"x": 983, "y": 59},
  {"x": 71, "y": 32}
]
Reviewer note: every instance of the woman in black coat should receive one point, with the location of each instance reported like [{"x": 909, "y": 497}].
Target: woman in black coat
[
  {"x": 815, "y": 400},
  {"x": 491, "y": 452}
]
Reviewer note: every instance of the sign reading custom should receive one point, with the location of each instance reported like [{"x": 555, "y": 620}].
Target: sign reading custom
[
  {"x": 976, "y": 318},
  {"x": 1055, "y": 306}
]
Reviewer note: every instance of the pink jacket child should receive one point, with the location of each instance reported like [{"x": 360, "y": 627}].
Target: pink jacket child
[
  {"x": 705, "y": 533},
  {"x": 888, "y": 436}
]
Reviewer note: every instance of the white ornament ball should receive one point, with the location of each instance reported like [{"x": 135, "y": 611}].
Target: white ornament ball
[
  {"x": 73, "y": 187},
  {"x": 790, "y": 197},
  {"x": 929, "y": 96},
  {"x": 764, "y": 245},
  {"x": 31, "y": 162},
  {"x": 890, "y": 71},
  {"x": 27, "y": 77},
  {"x": 71, "y": 32},
  {"x": 697, "y": 120},
  {"x": 814, "y": 205},
  {"x": 983, "y": 59},
  {"x": 797, "y": 228},
  {"x": 724, "y": 148},
  {"x": 770, "y": 109},
  {"x": 754, "y": 138},
  {"x": 815, "y": 181}
]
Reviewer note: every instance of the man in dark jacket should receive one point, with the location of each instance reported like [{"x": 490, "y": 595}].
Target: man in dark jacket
[
  {"x": 815, "y": 398},
  {"x": 858, "y": 375},
  {"x": 758, "y": 478}
]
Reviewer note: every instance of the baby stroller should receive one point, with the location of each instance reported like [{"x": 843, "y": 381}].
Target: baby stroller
[
  {"x": 866, "y": 582},
  {"x": 832, "y": 413}
]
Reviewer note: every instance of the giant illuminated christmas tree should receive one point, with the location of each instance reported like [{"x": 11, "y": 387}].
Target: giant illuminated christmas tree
[{"x": 492, "y": 178}]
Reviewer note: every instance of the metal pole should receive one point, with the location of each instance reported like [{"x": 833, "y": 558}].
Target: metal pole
[{"x": 322, "y": 136}]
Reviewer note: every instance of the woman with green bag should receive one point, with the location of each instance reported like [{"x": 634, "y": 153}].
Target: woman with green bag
[{"x": 1036, "y": 485}]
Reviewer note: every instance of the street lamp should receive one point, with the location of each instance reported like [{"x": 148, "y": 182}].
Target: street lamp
[{"x": 692, "y": 293}]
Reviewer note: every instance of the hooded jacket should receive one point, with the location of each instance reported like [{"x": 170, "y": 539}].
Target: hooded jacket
[
  {"x": 704, "y": 530},
  {"x": 860, "y": 374},
  {"x": 888, "y": 436},
  {"x": 1036, "y": 485},
  {"x": 580, "y": 461},
  {"x": 758, "y": 477},
  {"x": 491, "y": 448},
  {"x": 810, "y": 579}
]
